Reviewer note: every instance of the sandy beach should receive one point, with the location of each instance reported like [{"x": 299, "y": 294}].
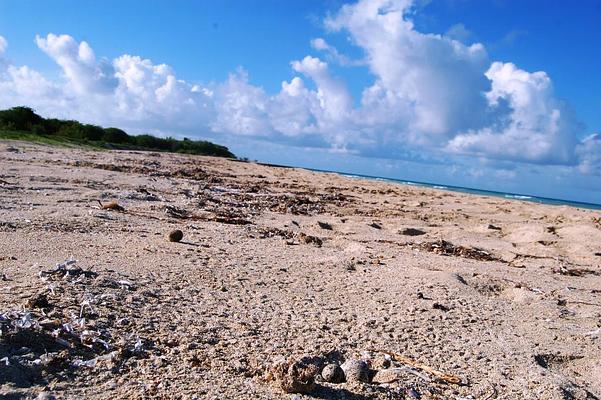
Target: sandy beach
[{"x": 443, "y": 295}]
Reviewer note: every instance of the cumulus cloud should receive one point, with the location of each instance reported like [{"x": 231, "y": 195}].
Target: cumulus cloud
[
  {"x": 128, "y": 91},
  {"x": 334, "y": 99},
  {"x": 241, "y": 107},
  {"x": 83, "y": 72},
  {"x": 430, "y": 94},
  {"x": 439, "y": 79},
  {"x": 536, "y": 127}
]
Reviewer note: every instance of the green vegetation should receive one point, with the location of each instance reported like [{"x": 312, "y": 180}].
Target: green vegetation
[{"x": 23, "y": 123}]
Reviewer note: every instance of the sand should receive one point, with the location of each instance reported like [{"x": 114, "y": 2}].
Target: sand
[{"x": 280, "y": 263}]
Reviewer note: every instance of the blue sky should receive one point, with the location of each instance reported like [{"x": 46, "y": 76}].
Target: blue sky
[{"x": 500, "y": 95}]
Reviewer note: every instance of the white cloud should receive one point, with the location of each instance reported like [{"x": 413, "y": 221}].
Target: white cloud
[
  {"x": 439, "y": 79},
  {"x": 536, "y": 128},
  {"x": 84, "y": 74},
  {"x": 292, "y": 111},
  {"x": 23, "y": 85},
  {"x": 334, "y": 99},
  {"x": 3, "y": 44},
  {"x": 129, "y": 91},
  {"x": 241, "y": 107}
]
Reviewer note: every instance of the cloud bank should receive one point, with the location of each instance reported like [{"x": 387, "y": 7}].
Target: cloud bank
[{"x": 430, "y": 94}]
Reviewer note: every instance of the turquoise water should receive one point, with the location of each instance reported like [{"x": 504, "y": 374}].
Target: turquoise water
[{"x": 511, "y": 196}]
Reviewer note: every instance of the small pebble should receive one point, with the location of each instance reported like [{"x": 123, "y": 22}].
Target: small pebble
[
  {"x": 176, "y": 235},
  {"x": 332, "y": 373},
  {"x": 356, "y": 370}
]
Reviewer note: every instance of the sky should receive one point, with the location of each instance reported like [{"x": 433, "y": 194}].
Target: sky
[{"x": 491, "y": 94}]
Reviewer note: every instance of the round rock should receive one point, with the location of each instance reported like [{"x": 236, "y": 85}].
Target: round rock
[
  {"x": 356, "y": 370},
  {"x": 332, "y": 373},
  {"x": 176, "y": 235}
]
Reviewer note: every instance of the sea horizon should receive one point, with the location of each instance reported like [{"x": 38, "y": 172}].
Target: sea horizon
[{"x": 469, "y": 190}]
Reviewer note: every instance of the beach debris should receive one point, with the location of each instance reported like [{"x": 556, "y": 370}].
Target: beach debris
[
  {"x": 579, "y": 272},
  {"x": 176, "y": 212},
  {"x": 355, "y": 370},
  {"x": 308, "y": 239},
  {"x": 297, "y": 205},
  {"x": 350, "y": 265},
  {"x": 294, "y": 376},
  {"x": 112, "y": 205},
  {"x": 375, "y": 225},
  {"x": 45, "y": 339},
  {"x": 142, "y": 194},
  {"x": 324, "y": 225},
  {"x": 332, "y": 373},
  {"x": 547, "y": 360},
  {"x": 441, "y": 307},
  {"x": 446, "y": 248},
  {"x": 412, "y": 232},
  {"x": 66, "y": 270},
  {"x": 38, "y": 301},
  {"x": 229, "y": 217},
  {"x": 494, "y": 227},
  {"x": 12, "y": 149},
  {"x": 176, "y": 235},
  {"x": 438, "y": 375},
  {"x": 269, "y": 232}
]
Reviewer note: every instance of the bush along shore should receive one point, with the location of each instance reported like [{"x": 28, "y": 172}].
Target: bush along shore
[{"x": 24, "y": 124}]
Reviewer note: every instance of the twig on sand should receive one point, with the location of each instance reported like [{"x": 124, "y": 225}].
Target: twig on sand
[
  {"x": 440, "y": 376},
  {"x": 113, "y": 205}
]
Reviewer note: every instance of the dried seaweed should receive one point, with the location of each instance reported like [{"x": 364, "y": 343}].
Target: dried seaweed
[
  {"x": 445, "y": 248},
  {"x": 563, "y": 270}
]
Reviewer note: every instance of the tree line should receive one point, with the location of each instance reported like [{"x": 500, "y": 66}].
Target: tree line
[{"x": 24, "y": 119}]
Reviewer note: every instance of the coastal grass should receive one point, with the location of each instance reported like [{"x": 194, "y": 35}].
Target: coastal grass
[{"x": 48, "y": 140}]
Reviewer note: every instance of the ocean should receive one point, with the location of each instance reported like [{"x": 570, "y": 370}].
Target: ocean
[{"x": 510, "y": 196}]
